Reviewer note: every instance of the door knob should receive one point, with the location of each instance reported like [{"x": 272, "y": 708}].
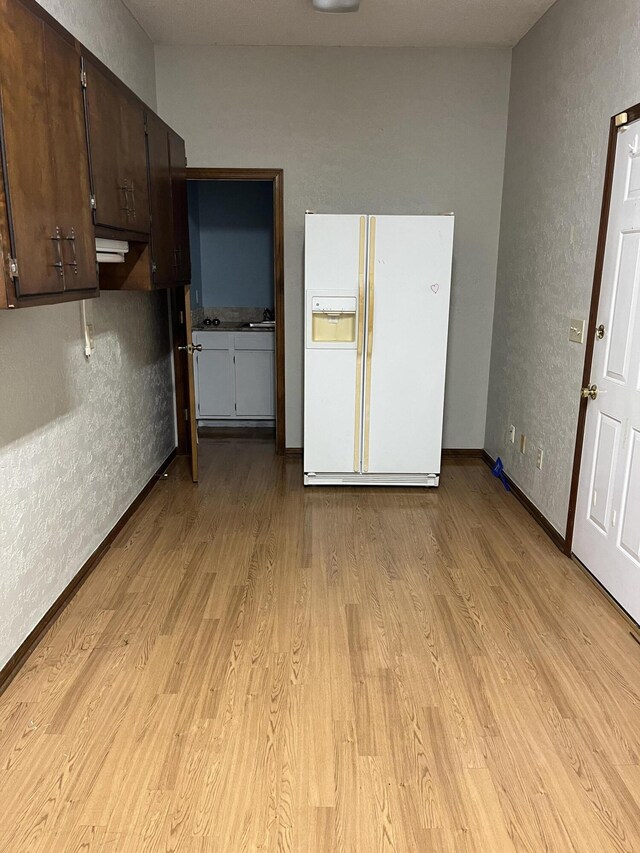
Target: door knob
[
  {"x": 590, "y": 392},
  {"x": 191, "y": 347}
]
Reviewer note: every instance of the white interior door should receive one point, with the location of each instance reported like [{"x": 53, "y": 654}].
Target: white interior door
[
  {"x": 409, "y": 285},
  {"x": 607, "y": 525}
]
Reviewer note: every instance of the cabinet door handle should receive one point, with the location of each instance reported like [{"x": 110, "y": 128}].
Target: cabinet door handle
[
  {"x": 125, "y": 189},
  {"x": 71, "y": 240},
  {"x": 59, "y": 265},
  {"x": 133, "y": 200}
]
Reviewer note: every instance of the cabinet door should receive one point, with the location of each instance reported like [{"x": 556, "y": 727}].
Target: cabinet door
[
  {"x": 254, "y": 383},
  {"x": 180, "y": 210},
  {"x": 71, "y": 170},
  {"x": 44, "y": 162},
  {"x": 115, "y": 121},
  {"x": 214, "y": 380},
  {"x": 162, "y": 236}
]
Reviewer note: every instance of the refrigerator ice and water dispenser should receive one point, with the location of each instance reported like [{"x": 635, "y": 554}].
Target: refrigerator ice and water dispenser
[{"x": 333, "y": 319}]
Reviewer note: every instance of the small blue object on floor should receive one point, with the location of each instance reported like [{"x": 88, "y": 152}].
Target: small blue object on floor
[{"x": 498, "y": 471}]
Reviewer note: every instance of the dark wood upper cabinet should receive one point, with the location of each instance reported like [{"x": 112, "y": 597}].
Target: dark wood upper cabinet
[
  {"x": 80, "y": 156},
  {"x": 117, "y": 145},
  {"x": 46, "y": 229},
  {"x": 161, "y": 260},
  {"x": 162, "y": 238},
  {"x": 169, "y": 214},
  {"x": 178, "y": 161}
]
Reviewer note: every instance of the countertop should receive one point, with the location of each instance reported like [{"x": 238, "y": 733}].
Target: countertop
[{"x": 232, "y": 327}]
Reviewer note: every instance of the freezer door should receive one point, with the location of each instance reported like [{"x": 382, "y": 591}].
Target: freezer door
[
  {"x": 335, "y": 267},
  {"x": 409, "y": 284}
]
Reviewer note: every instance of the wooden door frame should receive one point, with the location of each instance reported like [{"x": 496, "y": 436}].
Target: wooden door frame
[
  {"x": 632, "y": 114},
  {"x": 276, "y": 176}
]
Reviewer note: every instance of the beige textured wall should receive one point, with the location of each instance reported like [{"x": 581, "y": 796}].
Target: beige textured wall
[
  {"x": 78, "y": 438},
  {"x": 577, "y": 67},
  {"x": 363, "y": 130},
  {"x": 110, "y": 31}
]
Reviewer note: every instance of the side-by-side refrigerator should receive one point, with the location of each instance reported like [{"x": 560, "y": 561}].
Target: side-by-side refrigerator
[{"x": 377, "y": 292}]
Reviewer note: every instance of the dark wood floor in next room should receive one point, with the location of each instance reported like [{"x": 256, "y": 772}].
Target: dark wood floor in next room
[{"x": 256, "y": 667}]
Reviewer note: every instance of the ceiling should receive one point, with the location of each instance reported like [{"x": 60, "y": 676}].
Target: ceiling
[{"x": 393, "y": 23}]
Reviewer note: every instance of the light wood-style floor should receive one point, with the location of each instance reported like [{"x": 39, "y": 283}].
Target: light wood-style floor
[{"x": 256, "y": 667}]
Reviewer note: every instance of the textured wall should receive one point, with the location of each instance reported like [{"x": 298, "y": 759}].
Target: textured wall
[
  {"x": 110, "y": 31},
  {"x": 78, "y": 438},
  {"x": 363, "y": 130},
  {"x": 576, "y": 68},
  {"x": 236, "y": 243}
]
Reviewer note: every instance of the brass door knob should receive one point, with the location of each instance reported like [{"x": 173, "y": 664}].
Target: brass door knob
[
  {"x": 591, "y": 392},
  {"x": 191, "y": 348}
]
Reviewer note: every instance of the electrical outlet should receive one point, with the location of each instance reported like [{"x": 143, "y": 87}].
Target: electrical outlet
[
  {"x": 539, "y": 458},
  {"x": 512, "y": 434},
  {"x": 523, "y": 443}
]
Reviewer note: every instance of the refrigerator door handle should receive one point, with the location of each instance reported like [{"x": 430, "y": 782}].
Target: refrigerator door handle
[
  {"x": 370, "y": 309},
  {"x": 360, "y": 345}
]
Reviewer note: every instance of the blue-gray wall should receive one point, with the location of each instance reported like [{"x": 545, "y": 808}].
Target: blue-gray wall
[{"x": 232, "y": 242}]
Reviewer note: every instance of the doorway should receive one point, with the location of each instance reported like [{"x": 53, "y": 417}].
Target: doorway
[
  {"x": 243, "y": 377},
  {"x": 604, "y": 519}
]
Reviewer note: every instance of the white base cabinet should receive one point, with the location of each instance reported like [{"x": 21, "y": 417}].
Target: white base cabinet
[
  {"x": 235, "y": 375},
  {"x": 215, "y": 383}
]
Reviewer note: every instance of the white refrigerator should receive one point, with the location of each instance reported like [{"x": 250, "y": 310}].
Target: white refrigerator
[{"x": 377, "y": 292}]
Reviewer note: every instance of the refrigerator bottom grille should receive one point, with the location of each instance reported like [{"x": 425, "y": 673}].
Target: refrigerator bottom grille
[{"x": 330, "y": 479}]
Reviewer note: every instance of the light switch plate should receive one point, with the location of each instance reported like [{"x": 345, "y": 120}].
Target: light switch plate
[{"x": 576, "y": 332}]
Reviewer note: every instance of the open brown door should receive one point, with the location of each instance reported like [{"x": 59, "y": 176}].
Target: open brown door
[
  {"x": 193, "y": 423},
  {"x": 183, "y": 365}
]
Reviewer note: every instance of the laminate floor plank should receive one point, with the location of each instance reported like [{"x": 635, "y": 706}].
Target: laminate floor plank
[{"x": 258, "y": 667}]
